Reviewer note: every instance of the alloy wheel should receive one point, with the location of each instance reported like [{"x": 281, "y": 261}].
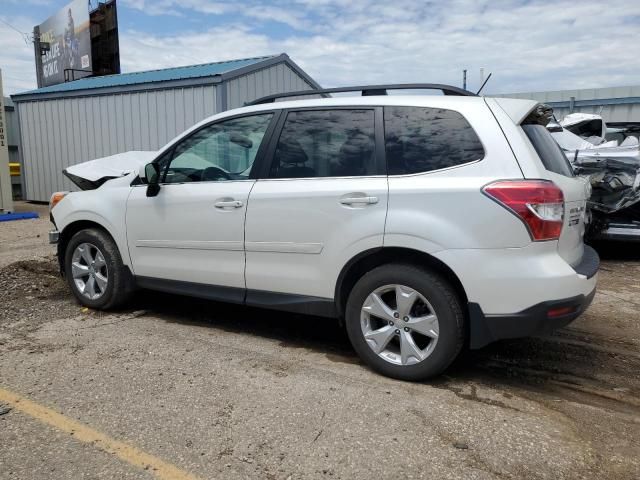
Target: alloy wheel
[
  {"x": 399, "y": 324},
  {"x": 89, "y": 271}
]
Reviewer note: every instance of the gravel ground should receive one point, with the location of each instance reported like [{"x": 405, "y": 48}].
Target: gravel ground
[
  {"x": 228, "y": 392},
  {"x": 25, "y": 239}
]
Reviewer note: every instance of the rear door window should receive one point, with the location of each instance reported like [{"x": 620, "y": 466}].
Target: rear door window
[
  {"x": 326, "y": 143},
  {"x": 552, "y": 156},
  {"x": 419, "y": 139}
]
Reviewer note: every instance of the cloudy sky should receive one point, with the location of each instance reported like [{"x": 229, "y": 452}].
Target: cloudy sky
[{"x": 528, "y": 45}]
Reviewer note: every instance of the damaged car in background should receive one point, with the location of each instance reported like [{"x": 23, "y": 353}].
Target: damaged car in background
[{"x": 613, "y": 169}]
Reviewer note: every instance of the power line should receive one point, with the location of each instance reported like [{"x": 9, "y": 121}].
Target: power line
[
  {"x": 11, "y": 26},
  {"x": 25, "y": 36}
]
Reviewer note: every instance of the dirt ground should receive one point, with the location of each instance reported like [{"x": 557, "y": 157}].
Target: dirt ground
[{"x": 222, "y": 391}]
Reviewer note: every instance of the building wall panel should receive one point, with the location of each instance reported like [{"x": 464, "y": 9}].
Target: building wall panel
[
  {"x": 29, "y": 148},
  {"x": 275, "y": 79},
  {"x": 59, "y": 133},
  {"x": 11, "y": 126}
]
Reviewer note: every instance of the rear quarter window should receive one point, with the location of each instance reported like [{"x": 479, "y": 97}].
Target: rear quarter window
[
  {"x": 419, "y": 139},
  {"x": 552, "y": 156}
]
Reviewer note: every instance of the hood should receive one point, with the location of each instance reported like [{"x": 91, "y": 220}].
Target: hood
[
  {"x": 570, "y": 141},
  {"x": 92, "y": 174}
]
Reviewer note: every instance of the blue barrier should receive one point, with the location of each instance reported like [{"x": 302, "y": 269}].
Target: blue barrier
[{"x": 7, "y": 217}]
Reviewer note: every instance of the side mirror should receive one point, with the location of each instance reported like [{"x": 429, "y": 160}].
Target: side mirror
[
  {"x": 150, "y": 174},
  {"x": 142, "y": 173}
]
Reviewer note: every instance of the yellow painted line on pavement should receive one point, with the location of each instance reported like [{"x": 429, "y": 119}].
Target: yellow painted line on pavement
[{"x": 132, "y": 455}]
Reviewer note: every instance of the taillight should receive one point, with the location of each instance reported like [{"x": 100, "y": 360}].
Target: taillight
[{"x": 538, "y": 203}]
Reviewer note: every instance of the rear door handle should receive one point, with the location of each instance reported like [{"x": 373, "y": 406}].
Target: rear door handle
[
  {"x": 229, "y": 204},
  {"x": 359, "y": 200}
]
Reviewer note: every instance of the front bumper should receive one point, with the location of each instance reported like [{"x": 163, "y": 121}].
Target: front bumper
[
  {"x": 537, "y": 320},
  {"x": 621, "y": 231},
  {"x": 54, "y": 236}
]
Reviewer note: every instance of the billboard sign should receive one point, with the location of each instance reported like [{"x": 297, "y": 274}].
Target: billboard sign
[{"x": 68, "y": 36}]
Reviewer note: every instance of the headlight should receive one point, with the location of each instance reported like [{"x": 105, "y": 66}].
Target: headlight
[{"x": 55, "y": 199}]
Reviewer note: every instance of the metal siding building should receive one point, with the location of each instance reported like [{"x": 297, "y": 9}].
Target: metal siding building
[
  {"x": 12, "y": 130},
  {"x": 615, "y": 104},
  {"x": 276, "y": 79},
  {"x": 13, "y": 142},
  {"x": 95, "y": 117}
]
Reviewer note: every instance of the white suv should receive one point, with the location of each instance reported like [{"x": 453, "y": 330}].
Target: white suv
[{"x": 425, "y": 222}]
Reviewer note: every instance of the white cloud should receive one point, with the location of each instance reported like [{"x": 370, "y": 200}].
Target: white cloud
[
  {"x": 16, "y": 56},
  {"x": 30, "y": 2},
  {"x": 174, "y": 7},
  {"x": 144, "y": 52},
  {"x": 527, "y": 45}
]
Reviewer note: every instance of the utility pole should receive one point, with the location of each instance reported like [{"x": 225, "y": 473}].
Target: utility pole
[{"x": 38, "y": 53}]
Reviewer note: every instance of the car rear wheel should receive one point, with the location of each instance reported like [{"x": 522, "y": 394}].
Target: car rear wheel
[
  {"x": 405, "y": 322},
  {"x": 94, "y": 270}
]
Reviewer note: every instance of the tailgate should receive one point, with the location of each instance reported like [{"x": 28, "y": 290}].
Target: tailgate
[{"x": 576, "y": 191}]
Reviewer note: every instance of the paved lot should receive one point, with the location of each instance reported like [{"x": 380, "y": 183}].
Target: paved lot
[{"x": 179, "y": 388}]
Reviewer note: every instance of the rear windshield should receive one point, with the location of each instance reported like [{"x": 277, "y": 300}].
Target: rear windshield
[{"x": 552, "y": 156}]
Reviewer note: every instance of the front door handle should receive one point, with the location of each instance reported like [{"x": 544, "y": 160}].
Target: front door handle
[
  {"x": 228, "y": 204},
  {"x": 359, "y": 200}
]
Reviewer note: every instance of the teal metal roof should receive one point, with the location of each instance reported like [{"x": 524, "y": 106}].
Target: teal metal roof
[{"x": 150, "y": 76}]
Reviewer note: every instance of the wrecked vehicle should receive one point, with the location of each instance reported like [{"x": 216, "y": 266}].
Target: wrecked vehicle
[
  {"x": 596, "y": 131},
  {"x": 626, "y": 133},
  {"x": 613, "y": 169},
  {"x": 92, "y": 174}
]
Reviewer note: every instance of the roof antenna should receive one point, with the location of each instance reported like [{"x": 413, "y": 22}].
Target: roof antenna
[{"x": 484, "y": 83}]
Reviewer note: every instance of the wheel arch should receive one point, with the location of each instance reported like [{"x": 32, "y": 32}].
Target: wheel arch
[
  {"x": 370, "y": 259},
  {"x": 70, "y": 230}
]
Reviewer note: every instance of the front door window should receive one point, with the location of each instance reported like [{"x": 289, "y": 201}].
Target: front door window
[{"x": 218, "y": 152}]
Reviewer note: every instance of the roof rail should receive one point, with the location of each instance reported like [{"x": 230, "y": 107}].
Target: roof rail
[{"x": 368, "y": 90}]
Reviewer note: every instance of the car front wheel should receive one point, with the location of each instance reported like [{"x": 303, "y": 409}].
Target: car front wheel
[
  {"x": 94, "y": 270},
  {"x": 405, "y": 322}
]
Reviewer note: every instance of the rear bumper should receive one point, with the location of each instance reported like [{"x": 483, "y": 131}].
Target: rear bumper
[
  {"x": 539, "y": 319},
  {"x": 589, "y": 264},
  {"x": 511, "y": 280},
  {"x": 519, "y": 292}
]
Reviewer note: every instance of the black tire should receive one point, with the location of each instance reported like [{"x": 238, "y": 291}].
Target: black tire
[
  {"x": 119, "y": 286},
  {"x": 442, "y": 297}
]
